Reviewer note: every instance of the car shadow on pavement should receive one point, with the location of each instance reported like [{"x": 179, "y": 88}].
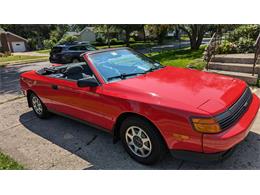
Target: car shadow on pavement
[{"x": 96, "y": 147}]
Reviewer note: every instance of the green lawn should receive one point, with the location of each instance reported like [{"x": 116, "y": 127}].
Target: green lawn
[
  {"x": 14, "y": 59},
  {"x": 7, "y": 163},
  {"x": 180, "y": 57},
  {"x": 44, "y": 51},
  {"x": 136, "y": 45}
]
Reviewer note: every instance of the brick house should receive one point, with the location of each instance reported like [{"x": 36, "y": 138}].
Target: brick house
[{"x": 10, "y": 42}]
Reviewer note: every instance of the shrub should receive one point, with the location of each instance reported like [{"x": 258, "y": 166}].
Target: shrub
[
  {"x": 5, "y": 54},
  {"x": 48, "y": 44},
  {"x": 113, "y": 41},
  {"x": 227, "y": 47},
  {"x": 246, "y": 45},
  {"x": 32, "y": 43},
  {"x": 131, "y": 40},
  {"x": 240, "y": 40},
  {"x": 100, "y": 40},
  {"x": 245, "y": 31},
  {"x": 68, "y": 39}
]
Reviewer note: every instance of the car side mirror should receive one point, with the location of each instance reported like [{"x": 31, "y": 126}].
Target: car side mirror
[{"x": 87, "y": 82}]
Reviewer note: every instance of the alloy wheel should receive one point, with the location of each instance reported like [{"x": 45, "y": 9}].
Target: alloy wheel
[
  {"x": 138, "y": 141},
  {"x": 37, "y": 105}
]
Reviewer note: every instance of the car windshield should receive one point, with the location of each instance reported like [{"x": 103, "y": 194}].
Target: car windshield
[{"x": 121, "y": 64}]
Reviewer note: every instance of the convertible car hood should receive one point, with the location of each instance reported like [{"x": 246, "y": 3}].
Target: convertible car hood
[{"x": 181, "y": 88}]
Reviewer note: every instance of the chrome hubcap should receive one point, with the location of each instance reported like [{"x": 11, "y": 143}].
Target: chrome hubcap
[
  {"x": 37, "y": 105},
  {"x": 138, "y": 141}
]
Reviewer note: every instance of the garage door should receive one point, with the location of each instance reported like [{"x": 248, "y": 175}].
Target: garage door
[{"x": 18, "y": 46}]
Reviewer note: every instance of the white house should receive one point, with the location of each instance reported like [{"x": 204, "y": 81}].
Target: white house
[{"x": 87, "y": 34}]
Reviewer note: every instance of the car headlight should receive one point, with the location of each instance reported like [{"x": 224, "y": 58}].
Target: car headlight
[{"x": 206, "y": 125}]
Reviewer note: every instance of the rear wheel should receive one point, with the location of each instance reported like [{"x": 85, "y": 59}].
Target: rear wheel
[
  {"x": 38, "y": 107},
  {"x": 142, "y": 141}
]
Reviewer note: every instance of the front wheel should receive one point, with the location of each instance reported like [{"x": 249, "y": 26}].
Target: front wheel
[
  {"x": 38, "y": 107},
  {"x": 142, "y": 140}
]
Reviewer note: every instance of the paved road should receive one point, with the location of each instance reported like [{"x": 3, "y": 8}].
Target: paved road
[
  {"x": 169, "y": 46},
  {"x": 9, "y": 79}
]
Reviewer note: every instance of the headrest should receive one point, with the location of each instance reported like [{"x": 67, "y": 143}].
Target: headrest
[{"x": 74, "y": 70}]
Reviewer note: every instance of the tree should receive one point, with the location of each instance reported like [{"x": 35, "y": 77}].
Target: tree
[
  {"x": 129, "y": 28},
  {"x": 106, "y": 29},
  {"x": 68, "y": 39},
  {"x": 160, "y": 30},
  {"x": 37, "y": 33},
  {"x": 195, "y": 32}
]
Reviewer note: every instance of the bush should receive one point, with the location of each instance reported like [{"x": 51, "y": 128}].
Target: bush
[
  {"x": 67, "y": 39},
  {"x": 245, "y": 31},
  {"x": 113, "y": 41},
  {"x": 246, "y": 45},
  {"x": 227, "y": 47},
  {"x": 48, "y": 44},
  {"x": 32, "y": 43},
  {"x": 131, "y": 40},
  {"x": 5, "y": 54},
  {"x": 100, "y": 40},
  {"x": 240, "y": 40}
]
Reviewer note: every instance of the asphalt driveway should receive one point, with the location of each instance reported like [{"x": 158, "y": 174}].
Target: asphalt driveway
[{"x": 61, "y": 143}]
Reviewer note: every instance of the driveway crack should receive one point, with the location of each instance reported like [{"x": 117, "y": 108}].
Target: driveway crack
[{"x": 93, "y": 139}]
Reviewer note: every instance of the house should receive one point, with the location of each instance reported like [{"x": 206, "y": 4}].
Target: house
[
  {"x": 87, "y": 34},
  {"x": 10, "y": 42}
]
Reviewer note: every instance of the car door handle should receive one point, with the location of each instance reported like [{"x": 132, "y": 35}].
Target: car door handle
[{"x": 54, "y": 87}]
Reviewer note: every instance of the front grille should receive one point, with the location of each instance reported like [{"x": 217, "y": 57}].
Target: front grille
[{"x": 229, "y": 117}]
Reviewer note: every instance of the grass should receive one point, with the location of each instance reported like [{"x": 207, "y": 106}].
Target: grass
[
  {"x": 44, "y": 51},
  {"x": 14, "y": 59},
  {"x": 6, "y": 163},
  {"x": 180, "y": 57},
  {"x": 136, "y": 45}
]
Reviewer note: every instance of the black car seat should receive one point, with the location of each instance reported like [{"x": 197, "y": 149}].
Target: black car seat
[{"x": 75, "y": 73}]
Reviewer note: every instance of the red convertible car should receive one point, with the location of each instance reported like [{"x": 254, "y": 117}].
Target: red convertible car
[{"x": 151, "y": 108}]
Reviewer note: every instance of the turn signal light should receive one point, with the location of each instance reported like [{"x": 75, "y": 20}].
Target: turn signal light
[{"x": 206, "y": 125}]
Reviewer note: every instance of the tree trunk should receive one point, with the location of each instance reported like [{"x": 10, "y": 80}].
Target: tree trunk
[
  {"x": 108, "y": 37},
  {"x": 127, "y": 36},
  {"x": 144, "y": 34}
]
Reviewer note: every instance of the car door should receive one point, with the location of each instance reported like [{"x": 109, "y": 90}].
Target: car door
[{"x": 85, "y": 103}]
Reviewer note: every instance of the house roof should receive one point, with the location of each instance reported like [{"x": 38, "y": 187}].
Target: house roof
[
  {"x": 87, "y": 28},
  {"x": 16, "y": 36},
  {"x": 7, "y": 32},
  {"x": 74, "y": 33}
]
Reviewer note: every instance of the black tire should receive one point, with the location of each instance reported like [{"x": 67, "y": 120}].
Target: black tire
[
  {"x": 157, "y": 148},
  {"x": 44, "y": 113}
]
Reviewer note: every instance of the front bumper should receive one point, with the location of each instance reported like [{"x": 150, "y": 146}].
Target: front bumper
[
  {"x": 221, "y": 145},
  {"x": 200, "y": 157},
  {"x": 213, "y": 143}
]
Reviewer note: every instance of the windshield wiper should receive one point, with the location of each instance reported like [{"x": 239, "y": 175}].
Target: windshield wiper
[
  {"x": 123, "y": 76},
  {"x": 154, "y": 68}
]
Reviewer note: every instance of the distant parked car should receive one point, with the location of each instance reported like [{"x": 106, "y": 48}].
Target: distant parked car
[{"x": 69, "y": 53}]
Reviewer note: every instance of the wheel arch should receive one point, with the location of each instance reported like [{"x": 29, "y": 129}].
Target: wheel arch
[
  {"x": 29, "y": 92},
  {"x": 124, "y": 116}
]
